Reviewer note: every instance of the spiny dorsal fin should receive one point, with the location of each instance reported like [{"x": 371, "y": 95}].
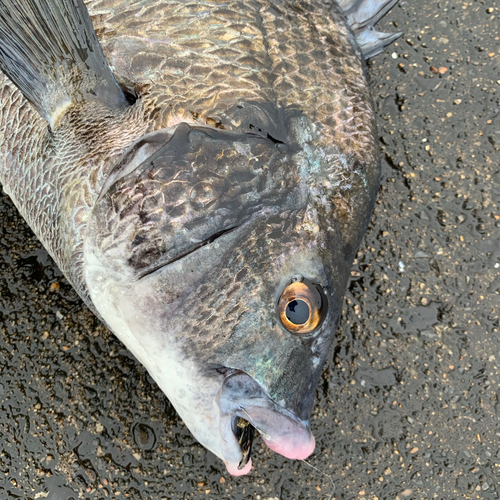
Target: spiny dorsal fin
[
  {"x": 362, "y": 15},
  {"x": 48, "y": 48}
]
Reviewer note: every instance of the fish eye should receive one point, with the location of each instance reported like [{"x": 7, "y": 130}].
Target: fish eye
[{"x": 301, "y": 306}]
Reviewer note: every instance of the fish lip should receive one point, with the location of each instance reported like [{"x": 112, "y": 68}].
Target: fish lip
[{"x": 265, "y": 416}]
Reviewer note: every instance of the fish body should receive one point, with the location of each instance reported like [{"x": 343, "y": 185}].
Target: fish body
[{"x": 205, "y": 193}]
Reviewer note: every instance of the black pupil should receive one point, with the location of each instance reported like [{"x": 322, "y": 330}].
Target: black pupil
[{"x": 297, "y": 312}]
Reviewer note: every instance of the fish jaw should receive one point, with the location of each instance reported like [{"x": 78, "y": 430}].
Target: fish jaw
[
  {"x": 208, "y": 399},
  {"x": 284, "y": 434},
  {"x": 242, "y": 397},
  {"x": 190, "y": 392}
]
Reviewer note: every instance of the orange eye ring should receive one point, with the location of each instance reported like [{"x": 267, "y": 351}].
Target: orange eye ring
[{"x": 301, "y": 307}]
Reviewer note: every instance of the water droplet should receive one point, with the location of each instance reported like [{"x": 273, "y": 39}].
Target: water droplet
[{"x": 144, "y": 436}]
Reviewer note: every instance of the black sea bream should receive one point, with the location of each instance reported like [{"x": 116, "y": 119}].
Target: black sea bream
[{"x": 203, "y": 173}]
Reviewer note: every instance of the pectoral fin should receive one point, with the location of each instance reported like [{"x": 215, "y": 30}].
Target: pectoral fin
[{"x": 50, "y": 51}]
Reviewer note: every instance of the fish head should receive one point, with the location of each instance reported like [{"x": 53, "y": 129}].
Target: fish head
[{"x": 218, "y": 258}]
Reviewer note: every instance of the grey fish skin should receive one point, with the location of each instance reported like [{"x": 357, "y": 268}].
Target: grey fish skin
[{"x": 248, "y": 157}]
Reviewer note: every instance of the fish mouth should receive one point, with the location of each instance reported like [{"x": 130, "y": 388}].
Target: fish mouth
[
  {"x": 246, "y": 410},
  {"x": 244, "y": 432}
]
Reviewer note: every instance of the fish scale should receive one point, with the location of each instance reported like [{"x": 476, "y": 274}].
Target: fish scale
[
  {"x": 237, "y": 164},
  {"x": 329, "y": 112},
  {"x": 60, "y": 175},
  {"x": 258, "y": 53},
  {"x": 170, "y": 195}
]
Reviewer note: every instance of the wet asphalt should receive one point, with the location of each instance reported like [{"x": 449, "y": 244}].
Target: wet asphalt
[{"x": 408, "y": 406}]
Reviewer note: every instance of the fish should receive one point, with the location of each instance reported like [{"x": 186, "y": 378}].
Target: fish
[{"x": 203, "y": 175}]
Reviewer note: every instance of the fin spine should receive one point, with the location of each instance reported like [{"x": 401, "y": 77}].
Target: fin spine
[{"x": 362, "y": 15}]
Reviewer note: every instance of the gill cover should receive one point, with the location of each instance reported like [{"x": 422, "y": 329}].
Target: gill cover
[{"x": 193, "y": 239}]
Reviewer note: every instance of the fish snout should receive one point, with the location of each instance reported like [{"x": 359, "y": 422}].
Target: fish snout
[{"x": 245, "y": 409}]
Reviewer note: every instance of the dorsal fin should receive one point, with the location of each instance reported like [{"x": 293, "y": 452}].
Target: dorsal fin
[
  {"x": 362, "y": 15},
  {"x": 49, "y": 50}
]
